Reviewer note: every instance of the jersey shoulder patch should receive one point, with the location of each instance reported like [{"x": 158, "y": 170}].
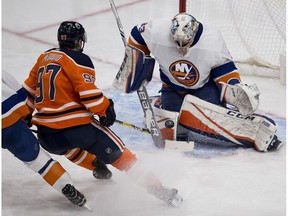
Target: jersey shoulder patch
[{"x": 80, "y": 58}]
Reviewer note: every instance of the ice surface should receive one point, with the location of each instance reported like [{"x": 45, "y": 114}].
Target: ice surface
[{"x": 212, "y": 181}]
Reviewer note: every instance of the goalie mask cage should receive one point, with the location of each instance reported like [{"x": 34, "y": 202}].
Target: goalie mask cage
[{"x": 254, "y": 31}]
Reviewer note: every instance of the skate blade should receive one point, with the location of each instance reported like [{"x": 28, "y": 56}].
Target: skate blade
[
  {"x": 177, "y": 201},
  {"x": 279, "y": 145},
  {"x": 87, "y": 207}
]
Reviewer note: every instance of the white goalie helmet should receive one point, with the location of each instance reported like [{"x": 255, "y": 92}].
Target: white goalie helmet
[{"x": 183, "y": 30}]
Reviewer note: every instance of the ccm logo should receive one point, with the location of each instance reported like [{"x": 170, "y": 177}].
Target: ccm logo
[{"x": 239, "y": 115}]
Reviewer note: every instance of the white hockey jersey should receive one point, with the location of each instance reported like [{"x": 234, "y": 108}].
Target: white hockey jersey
[{"x": 207, "y": 58}]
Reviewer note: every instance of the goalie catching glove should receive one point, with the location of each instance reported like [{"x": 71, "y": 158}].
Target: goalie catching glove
[
  {"x": 110, "y": 115},
  {"x": 136, "y": 70},
  {"x": 244, "y": 97}
]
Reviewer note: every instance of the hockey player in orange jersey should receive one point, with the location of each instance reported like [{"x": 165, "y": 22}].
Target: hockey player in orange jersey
[
  {"x": 62, "y": 90},
  {"x": 25, "y": 146}
]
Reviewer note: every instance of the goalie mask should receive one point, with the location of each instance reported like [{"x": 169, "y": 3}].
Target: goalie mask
[
  {"x": 69, "y": 35},
  {"x": 183, "y": 30}
]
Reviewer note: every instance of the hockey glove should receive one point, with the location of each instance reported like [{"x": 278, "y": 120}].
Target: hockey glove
[
  {"x": 110, "y": 115},
  {"x": 136, "y": 70},
  {"x": 244, "y": 97}
]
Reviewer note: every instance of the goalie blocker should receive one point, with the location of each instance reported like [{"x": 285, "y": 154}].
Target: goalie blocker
[{"x": 136, "y": 70}]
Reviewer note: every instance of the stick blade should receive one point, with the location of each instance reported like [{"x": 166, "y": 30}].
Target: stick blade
[{"x": 181, "y": 146}]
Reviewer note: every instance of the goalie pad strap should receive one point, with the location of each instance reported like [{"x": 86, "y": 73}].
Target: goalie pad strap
[
  {"x": 136, "y": 70},
  {"x": 228, "y": 125}
]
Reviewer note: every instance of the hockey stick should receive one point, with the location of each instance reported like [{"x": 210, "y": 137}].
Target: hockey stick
[
  {"x": 181, "y": 146},
  {"x": 142, "y": 92},
  {"x": 140, "y": 129},
  {"x": 126, "y": 124},
  {"x": 169, "y": 144}
]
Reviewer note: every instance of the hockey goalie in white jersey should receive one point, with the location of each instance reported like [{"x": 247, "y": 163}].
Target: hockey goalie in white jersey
[{"x": 202, "y": 95}]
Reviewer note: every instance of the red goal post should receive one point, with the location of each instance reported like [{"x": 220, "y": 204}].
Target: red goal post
[
  {"x": 182, "y": 6},
  {"x": 254, "y": 30}
]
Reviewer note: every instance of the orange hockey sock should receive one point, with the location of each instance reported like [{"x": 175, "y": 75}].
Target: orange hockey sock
[
  {"x": 126, "y": 160},
  {"x": 81, "y": 158}
]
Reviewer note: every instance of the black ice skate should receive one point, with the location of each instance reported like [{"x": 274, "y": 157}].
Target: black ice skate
[
  {"x": 170, "y": 196},
  {"x": 74, "y": 195},
  {"x": 275, "y": 144},
  {"x": 101, "y": 171}
]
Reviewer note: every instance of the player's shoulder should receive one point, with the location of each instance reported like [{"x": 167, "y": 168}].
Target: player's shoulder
[
  {"x": 156, "y": 31},
  {"x": 153, "y": 24},
  {"x": 159, "y": 23},
  {"x": 211, "y": 31},
  {"x": 78, "y": 57},
  {"x": 210, "y": 37}
]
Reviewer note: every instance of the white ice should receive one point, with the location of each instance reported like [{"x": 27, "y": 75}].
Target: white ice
[{"x": 212, "y": 182}]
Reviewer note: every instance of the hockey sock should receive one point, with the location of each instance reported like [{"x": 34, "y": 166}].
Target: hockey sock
[
  {"x": 81, "y": 158},
  {"x": 51, "y": 171},
  {"x": 126, "y": 160}
]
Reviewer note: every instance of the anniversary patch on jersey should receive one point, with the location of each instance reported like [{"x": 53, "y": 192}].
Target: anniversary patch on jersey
[{"x": 184, "y": 72}]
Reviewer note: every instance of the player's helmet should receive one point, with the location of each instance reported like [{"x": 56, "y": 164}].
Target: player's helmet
[
  {"x": 69, "y": 34},
  {"x": 183, "y": 30}
]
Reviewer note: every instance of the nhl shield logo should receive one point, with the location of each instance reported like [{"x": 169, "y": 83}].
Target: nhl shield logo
[
  {"x": 108, "y": 150},
  {"x": 184, "y": 72}
]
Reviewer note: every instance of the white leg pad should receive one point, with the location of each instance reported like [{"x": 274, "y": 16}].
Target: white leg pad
[
  {"x": 167, "y": 120},
  {"x": 202, "y": 116}
]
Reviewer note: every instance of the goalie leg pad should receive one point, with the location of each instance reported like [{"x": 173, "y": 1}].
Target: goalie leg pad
[
  {"x": 167, "y": 121},
  {"x": 221, "y": 123},
  {"x": 265, "y": 134},
  {"x": 136, "y": 70}
]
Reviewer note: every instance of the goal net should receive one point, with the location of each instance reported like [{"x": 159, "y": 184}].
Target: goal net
[{"x": 254, "y": 30}]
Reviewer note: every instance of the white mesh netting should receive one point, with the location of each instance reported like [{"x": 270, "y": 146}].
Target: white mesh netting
[{"x": 254, "y": 30}]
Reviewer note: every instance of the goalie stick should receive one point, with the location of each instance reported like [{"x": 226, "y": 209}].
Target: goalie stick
[
  {"x": 181, "y": 146},
  {"x": 142, "y": 92}
]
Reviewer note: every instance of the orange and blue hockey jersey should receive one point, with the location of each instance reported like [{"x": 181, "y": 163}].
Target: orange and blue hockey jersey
[
  {"x": 14, "y": 99},
  {"x": 62, "y": 90}
]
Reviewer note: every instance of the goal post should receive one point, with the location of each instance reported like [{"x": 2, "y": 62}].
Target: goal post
[
  {"x": 182, "y": 6},
  {"x": 254, "y": 30}
]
